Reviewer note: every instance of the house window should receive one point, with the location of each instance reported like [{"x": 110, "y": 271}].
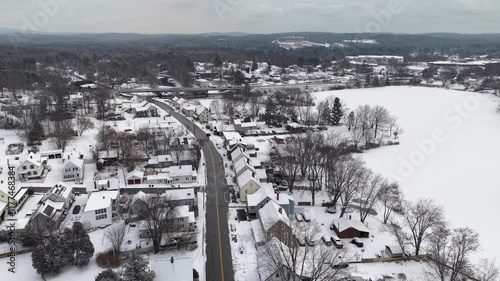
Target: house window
[
  {"x": 252, "y": 208},
  {"x": 35, "y": 172},
  {"x": 275, "y": 227},
  {"x": 283, "y": 227},
  {"x": 32, "y": 167},
  {"x": 286, "y": 235},
  {"x": 100, "y": 211},
  {"x": 101, "y": 217},
  {"x": 29, "y": 173},
  {"x": 24, "y": 167},
  {"x": 75, "y": 169}
]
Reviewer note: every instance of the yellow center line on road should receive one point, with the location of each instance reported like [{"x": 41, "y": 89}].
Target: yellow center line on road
[{"x": 218, "y": 219}]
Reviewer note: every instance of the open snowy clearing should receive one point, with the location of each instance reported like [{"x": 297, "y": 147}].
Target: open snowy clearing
[{"x": 449, "y": 151}]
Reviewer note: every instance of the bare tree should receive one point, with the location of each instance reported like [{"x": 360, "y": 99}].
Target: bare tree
[
  {"x": 114, "y": 235},
  {"x": 129, "y": 153},
  {"x": 157, "y": 212},
  {"x": 451, "y": 251},
  {"x": 83, "y": 124},
  {"x": 178, "y": 151},
  {"x": 380, "y": 119},
  {"x": 369, "y": 194},
  {"x": 287, "y": 160},
  {"x": 421, "y": 218},
  {"x": 360, "y": 178},
  {"x": 487, "y": 270},
  {"x": 105, "y": 135},
  {"x": 317, "y": 263},
  {"x": 62, "y": 133},
  {"x": 390, "y": 197},
  {"x": 395, "y": 229},
  {"x": 343, "y": 173},
  {"x": 216, "y": 107}
]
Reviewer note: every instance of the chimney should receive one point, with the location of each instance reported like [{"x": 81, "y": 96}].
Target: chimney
[
  {"x": 280, "y": 210},
  {"x": 68, "y": 157},
  {"x": 277, "y": 196},
  {"x": 172, "y": 260}
]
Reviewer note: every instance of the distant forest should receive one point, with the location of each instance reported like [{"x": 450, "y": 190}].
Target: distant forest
[{"x": 122, "y": 56}]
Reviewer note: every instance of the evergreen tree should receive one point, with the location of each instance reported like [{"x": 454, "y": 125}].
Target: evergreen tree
[
  {"x": 387, "y": 81},
  {"x": 238, "y": 78},
  {"x": 367, "y": 80},
  {"x": 376, "y": 81},
  {"x": 80, "y": 245},
  {"x": 326, "y": 114},
  {"x": 107, "y": 275},
  {"x": 271, "y": 110},
  {"x": 350, "y": 121},
  {"x": 46, "y": 258},
  {"x": 36, "y": 133},
  {"x": 135, "y": 268},
  {"x": 217, "y": 61},
  {"x": 337, "y": 112},
  {"x": 254, "y": 66}
]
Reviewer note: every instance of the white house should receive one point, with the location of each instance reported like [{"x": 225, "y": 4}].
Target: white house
[
  {"x": 60, "y": 193},
  {"x": 238, "y": 154},
  {"x": 183, "y": 220},
  {"x": 247, "y": 185},
  {"x": 31, "y": 167},
  {"x": 188, "y": 110},
  {"x": 178, "y": 269},
  {"x": 73, "y": 168},
  {"x": 99, "y": 209},
  {"x": 202, "y": 114},
  {"x": 182, "y": 174},
  {"x": 243, "y": 165},
  {"x": 135, "y": 177}
]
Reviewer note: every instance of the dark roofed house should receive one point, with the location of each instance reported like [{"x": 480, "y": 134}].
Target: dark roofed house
[{"x": 346, "y": 228}]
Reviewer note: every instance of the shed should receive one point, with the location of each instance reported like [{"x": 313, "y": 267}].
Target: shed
[{"x": 393, "y": 251}]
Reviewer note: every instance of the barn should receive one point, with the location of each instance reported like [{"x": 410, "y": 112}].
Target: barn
[{"x": 346, "y": 228}]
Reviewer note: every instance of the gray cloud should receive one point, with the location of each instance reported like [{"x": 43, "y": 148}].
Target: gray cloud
[{"x": 259, "y": 16}]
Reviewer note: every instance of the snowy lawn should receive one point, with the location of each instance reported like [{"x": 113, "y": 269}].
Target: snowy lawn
[{"x": 449, "y": 151}]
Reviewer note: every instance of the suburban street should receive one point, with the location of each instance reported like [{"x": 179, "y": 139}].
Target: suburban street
[{"x": 219, "y": 265}]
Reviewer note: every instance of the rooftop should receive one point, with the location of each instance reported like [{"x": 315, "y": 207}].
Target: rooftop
[
  {"x": 344, "y": 223},
  {"x": 100, "y": 200},
  {"x": 270, "y": 214},
  {"x": 173, "y": 269}
]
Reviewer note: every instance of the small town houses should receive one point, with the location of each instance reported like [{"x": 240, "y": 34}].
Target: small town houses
[{"x": 100, "y": 209}]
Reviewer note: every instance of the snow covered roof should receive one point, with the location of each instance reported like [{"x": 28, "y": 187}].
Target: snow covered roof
[
  {"x": 184, "y": 170},
  {"x": 199, "y": 109},
  {"x": 140, "y": 196},
  {"x": 231, "y": 135},
  {"x": 267, "y": 191},
  {"x": 61, "y": 190},
  {"x": 344, "y": 223},
  {"x": 237, "y": 152},
  {"x": 245, "y": 178},
  {"x": 180, "y": 194},
  {"x": 272, "y": 213},
  {"x": 173, "y": 269},
  {"x": 395, "y": 249},
  {"x": 100, "y": 200},
  {"x": 135, "y": 174},
  {"x": 242, "y": 164},
  {"x": 74, "y": 159}
]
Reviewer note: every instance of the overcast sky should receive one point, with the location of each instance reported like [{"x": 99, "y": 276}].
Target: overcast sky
[{"x": 254, "y": 16}]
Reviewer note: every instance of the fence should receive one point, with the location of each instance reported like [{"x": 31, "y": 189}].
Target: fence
[{"x": 407, "y": 258}]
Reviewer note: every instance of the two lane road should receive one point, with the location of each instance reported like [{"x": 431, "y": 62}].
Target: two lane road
[{"x": 219, "y": 261}]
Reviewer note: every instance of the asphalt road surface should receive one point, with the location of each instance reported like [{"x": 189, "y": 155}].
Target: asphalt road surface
[{"x": 219, "y": 265}]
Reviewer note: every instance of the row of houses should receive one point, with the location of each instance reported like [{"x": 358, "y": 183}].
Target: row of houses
[{"x": 199, "y": 112}]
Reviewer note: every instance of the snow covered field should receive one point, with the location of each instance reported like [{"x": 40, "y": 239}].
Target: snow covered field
[{"x": 449, "y": 151}]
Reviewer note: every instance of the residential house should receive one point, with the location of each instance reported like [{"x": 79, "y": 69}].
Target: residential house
[
  {"x": 180, "y": 103},
  {"x": 147, "y": 110},
  {"x": 228, "y": 136},
  {"x": 60, "y": 193},
  {"x": 54, "y": 206},
  {"x": 100, "y": 208},
  {"x": 188, "y": 110},
  {"x": 175, "y": 197},
  {"x": 20, "y": 198},
  {"x": 31, "y": 167},
  {"x": 182, "y": 174},
  {"x": 109, "y": 156},
  {"x": 242, "y": 111},
  {"x": 160, "y": 161},
  {"x": 242, "y": 165},
  {"x": 275, "y": 223},
  {"x": 179, "y": 220},
  {"x": 173, "y": 269},
  {"x": 346, "y": 228},
  {"x": 52, "y": 154},
  {"x": 247, "y": 185},
  {"x": 101, "y": 185},
  {"x": 264, "y": 195},
  {"x": 73, "y": 168},
  {"x": 202, "y": 114},
  {"x": 244, "y": 127},
  {"x": 238, "y": 154}
]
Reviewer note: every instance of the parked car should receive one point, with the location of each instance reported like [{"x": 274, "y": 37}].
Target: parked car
[
  {"x": 310, "y": 242},
  {"x": 301, "y": 242},
  {"x": 337, "y": 242},
  {"x": 331, "y": 209},
  {"x": 356, "y": 241},
  {"x": 283, "y": 188},
  {"x": 170, "y": 243},
  {"x": 218, "y": 145},
  {"x": 76, "y": 209},
  {"x": 284, "y": 183},
  {"x": 306, "y": 217},
  {"x": 298, "y": 217},
  {"x": 327, "y": 241},
  {"x": 340, "y": 265}
]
